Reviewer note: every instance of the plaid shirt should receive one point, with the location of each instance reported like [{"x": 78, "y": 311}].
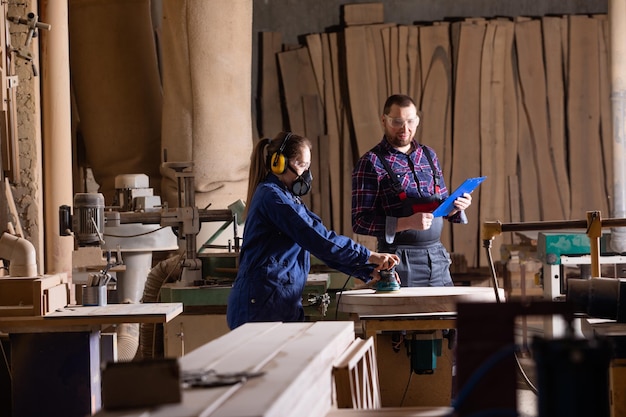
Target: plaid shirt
[{"x": 373, "y": 195}]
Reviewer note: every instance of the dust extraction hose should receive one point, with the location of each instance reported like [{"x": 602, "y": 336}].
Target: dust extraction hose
[{"x": 151, "y": 334}]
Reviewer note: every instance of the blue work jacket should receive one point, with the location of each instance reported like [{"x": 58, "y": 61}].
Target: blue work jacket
[{"x": 279, "y": 236}]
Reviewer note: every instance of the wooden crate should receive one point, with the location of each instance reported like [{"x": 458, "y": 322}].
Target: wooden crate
[{"x": 33, "y": 296}]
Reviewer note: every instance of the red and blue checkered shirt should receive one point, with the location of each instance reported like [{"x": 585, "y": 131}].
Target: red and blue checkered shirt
[{"x": 373, "y": 195}]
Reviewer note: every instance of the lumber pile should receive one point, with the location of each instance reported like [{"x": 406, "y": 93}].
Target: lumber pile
[{"x": 524, "y": 101}]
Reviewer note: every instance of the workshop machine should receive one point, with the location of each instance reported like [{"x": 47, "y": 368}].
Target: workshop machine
[
  {"x": 138, "y": 224},
  {"x": 578, "y": 374}
]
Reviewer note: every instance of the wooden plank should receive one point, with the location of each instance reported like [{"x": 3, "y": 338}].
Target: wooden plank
[
  {"x": 510, "y": 123},
  {"x": 434, "y": 45},
  {"x": 436, "y": 125},
  {"x": 555, "y": 88},
  {"x": 403, "y": 59},
  {"x": 304, "y": 362},
  {"x": 466, "y": 128},
  {"x": 414, "y": 87},
  {"x": 346, "y": 154},
  {"x": 227, "y": 354},
  {"x": 363, "y": 101},
  {"x": 385, "y": 34},
  {"x": 392, "y": 55},
  {"x": 348, "y": 161},
  {"x": 527, "y": 176},
  {"x": 78, "y": 318},
  {"x": 298, "y": 80},
  {"x": 583, "y": 114},
  {"x": 376, "y": 41},
  {"x": 319, "y": 160},
  {"x": 363, "y": 14},
  {"x": 514, "y": 205},
  {"x": 271, "y": 111},
  {"x": 491, "y": 143},
  {"x": 314, "y": 46},
  {"x": 268, "y": 336},
  {"x": 533, "y": 95},
  {"x": 324, "y": 178},
  {"x": 413, "y": 300},
  {"x": 331, "y": 74},
  {"x": 606, "y": 114}
]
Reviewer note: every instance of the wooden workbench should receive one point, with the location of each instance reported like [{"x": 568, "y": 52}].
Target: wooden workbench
[
  {"x": 410, "y": 300},
  {"x": 57, "y": 356},
  {"x": 77, "y": 318},
  {"x": 410, "y": 308},
  {"x": 421, "y": 309}
]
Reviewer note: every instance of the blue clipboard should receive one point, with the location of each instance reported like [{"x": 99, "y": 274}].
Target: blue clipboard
[{"x": 468, "y": 186}]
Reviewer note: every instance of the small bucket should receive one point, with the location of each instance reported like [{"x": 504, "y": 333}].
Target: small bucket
[{"x": 94, "y": 295}]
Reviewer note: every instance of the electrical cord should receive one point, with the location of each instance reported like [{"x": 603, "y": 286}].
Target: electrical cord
[
  {"x": 137, "y": 235},
  {"x": 406, "y": 389},
  {"x": 343, "y": 287},
  {"x": 487, "y": 245}
]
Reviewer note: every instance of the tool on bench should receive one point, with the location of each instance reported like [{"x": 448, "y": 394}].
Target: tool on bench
[{"x": 388, "y": 280}]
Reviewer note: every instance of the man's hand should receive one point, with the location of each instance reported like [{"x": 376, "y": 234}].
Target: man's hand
[
  {"x": 461, "y": 203},
  {"x": 417, "y": 221}
]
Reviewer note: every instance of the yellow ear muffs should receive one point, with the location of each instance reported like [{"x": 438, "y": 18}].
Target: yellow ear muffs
[{"x": 278, "y": 162}]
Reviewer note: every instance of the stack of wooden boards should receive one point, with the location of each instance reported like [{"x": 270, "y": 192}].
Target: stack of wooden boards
[
  {"x": 33, "y": 296},
  {"x": 296, "y": 360},
  {"x": 523, "y": 101}
]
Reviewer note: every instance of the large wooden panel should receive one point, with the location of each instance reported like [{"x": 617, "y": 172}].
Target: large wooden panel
[
  {"x": 555, "y": 88},
  {"x": 492, "y": 132},
  {"x": 271, "y": 115},
  {"x": 332, "y": 100},
  {"x": 298, "y": 80},
  {"x": 436, "y": 102},
  {"x": 316, "y": 54},
  {"x": 466, "y": 125},
  {"x": 533, "y": 100},
  {"x": 510, "y": 115},
  {"x": 414, "y": 87},
  {"x": 583, "y": 114},
  {"x": 363, "y": 101},
  {"x": 606, "y": 114},
  {"x": 377, "y": 39}
]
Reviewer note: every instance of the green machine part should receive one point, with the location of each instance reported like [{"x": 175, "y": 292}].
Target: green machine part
[{"x": 551, "y": 245}]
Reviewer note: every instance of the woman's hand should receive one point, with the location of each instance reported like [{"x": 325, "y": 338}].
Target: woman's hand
[{"x": 383, "y": 260}]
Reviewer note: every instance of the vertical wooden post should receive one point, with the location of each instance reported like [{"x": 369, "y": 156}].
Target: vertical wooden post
[{"x": 57, "y": 136}]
